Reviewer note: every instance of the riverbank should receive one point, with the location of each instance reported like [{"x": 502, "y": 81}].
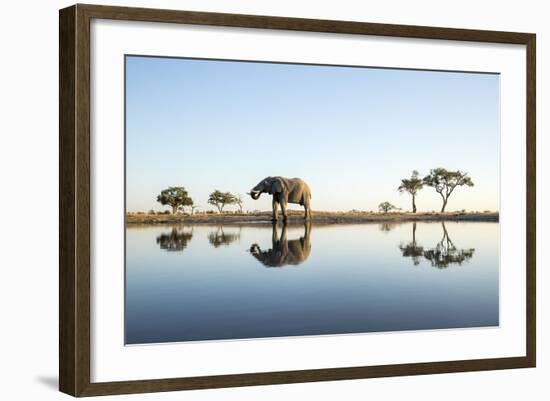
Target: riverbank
[{"x": 317, "y": 217}]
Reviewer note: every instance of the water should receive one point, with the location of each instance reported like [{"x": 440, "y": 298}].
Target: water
[{"x": 208, "y": 282}]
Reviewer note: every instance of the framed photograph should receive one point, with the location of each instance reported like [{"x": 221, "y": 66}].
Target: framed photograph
[{"x": 250, "y": 200}]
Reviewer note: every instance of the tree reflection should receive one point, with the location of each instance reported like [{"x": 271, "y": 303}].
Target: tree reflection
[
  {"x": 445, "y": 253},
  {"x": 386, "y": 227},
  {"x": 220, "y": 237},
  {"x": 284, "y": 252},
  {"x": 441, "y": 256},
  {"x": 412, "y": 249},
  {"x": 176, "y": 240}
]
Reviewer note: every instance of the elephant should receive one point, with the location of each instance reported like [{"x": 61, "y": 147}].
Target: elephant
[
  {"x": 284, "y": 252},
  {"x": 284, "y": 191}
]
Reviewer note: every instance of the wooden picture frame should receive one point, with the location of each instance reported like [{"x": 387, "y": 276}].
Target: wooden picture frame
[{"x": 74, "y": 199}]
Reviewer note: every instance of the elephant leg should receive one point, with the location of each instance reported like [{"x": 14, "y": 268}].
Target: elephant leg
[
  {"x": 307, "y": 210},
  {"x": 274, "y": 207},
  {"x": 283, "y": 209}
]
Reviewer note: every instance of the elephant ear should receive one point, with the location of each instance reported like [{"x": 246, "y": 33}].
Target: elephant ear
[{"x": 277, "y": 186}]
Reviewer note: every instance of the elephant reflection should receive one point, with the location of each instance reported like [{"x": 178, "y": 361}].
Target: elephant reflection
[
  {"x": 176, "y": 240},
  {"x": 220, "y": 237},
  {"x": 444, "y": 254},
  {"x": 284, "y": 252}
]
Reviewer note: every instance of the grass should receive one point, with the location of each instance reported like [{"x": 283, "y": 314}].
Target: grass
[{"x": 317, "y": 217}]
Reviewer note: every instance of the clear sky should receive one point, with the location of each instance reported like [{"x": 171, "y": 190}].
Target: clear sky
[{"x": 350, "y": 133}]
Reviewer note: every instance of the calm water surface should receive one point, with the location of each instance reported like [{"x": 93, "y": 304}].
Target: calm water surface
[{"x": 207, "y": 282}]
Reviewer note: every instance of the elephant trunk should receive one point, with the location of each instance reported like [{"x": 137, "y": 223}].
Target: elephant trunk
[{"x": 255, "y": 194}]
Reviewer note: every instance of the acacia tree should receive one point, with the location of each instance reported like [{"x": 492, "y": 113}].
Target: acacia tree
[
  {"x": 386, "y": 207},
  {"x": 239, "y": 202},
  {"x": 412, "y": 186},
  {"x": 220, "y": 199},
  {"x": 445, "y": 182},
  {"x": 175, "y": 197}
]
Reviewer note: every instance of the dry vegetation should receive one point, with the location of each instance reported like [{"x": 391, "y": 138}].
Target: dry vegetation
[{"x": 317, "y": 217}]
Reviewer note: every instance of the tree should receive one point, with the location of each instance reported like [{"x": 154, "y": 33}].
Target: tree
[
  {"x": 412, "y": 186},
  {"x": 175, "y": 197},
  {"x": 239, "y": 202},
  {"x": 220, "y": 199},
  {"x": 386, "y": 207},
  {"x": 444, "y": 182},
  {"x": 192, "y": 207}
]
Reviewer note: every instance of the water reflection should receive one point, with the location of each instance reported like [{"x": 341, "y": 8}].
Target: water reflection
[
  {"x": 174, "y": 241},
  {"x": 412, "y": 249},
  {"x": 445, "y": 253},
  {"x": 441, "y": 256},
  {"x": 360, "y": 270},
  {"x": 284, "y": 252},
  {"x": 386, "y": 227},
  {"x": 220, "y": 237}
]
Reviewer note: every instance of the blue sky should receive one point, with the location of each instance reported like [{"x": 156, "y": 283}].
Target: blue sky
[{"x": 351, "y": 133}]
